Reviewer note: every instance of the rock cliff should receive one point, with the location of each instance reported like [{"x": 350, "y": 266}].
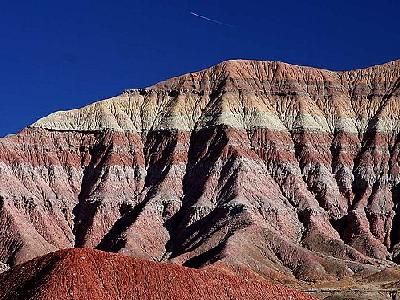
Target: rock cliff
[{"x": 290, "y": 171}]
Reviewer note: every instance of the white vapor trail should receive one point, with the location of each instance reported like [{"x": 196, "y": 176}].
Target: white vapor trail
[{"x": 208, "y": 19}]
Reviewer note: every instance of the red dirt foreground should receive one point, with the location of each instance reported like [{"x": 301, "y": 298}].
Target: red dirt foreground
[{"x": 93, "y": 274}]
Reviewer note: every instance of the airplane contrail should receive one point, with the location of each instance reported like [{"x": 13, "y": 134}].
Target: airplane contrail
[{"x": 209, "y": 19}]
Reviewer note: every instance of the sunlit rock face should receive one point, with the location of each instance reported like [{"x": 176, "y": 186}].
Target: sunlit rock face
[{"x": 290, "y": 171}]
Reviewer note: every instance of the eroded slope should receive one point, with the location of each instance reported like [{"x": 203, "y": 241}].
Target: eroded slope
[{"x": 291, "y": 171}]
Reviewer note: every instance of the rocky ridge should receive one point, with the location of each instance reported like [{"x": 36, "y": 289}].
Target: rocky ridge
[
  {"x": 90, "y": 274},
  {"x": 290, "y": 171}
]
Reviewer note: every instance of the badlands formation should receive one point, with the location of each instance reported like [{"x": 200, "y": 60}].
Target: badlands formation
[{"x": 291, "y": 172}]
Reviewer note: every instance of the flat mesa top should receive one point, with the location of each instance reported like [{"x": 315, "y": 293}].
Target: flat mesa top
[{"x": 246, "y": 94}]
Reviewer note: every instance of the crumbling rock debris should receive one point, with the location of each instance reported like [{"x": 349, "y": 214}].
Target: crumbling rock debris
[{"x": 92, "y": 274}]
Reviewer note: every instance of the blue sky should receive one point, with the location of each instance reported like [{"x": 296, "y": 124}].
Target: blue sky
[{"x": 64, "y": 54}]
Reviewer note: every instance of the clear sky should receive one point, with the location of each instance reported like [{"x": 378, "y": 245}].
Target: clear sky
[{"x": 64, "y": 54}]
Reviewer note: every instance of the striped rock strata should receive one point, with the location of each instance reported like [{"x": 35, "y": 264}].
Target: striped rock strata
[{"x": 291, "y": 171}]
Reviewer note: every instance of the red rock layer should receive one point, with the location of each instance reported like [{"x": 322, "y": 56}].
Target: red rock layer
[{"x": 90, "y": 274}]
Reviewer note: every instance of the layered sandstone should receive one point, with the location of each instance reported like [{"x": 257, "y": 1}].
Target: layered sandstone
[{"x": 290, "y": 171}]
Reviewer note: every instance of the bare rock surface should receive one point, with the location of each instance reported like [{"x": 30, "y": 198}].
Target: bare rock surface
[
  {"x": 92, "y": 274},
  {"x": 290, "y": 171}
]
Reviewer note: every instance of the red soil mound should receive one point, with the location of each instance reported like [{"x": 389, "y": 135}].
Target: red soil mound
[{"x": 92, "y": 274}]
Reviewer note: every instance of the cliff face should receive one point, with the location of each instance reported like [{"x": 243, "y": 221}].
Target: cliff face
[{"x": 291, "y": 171}]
